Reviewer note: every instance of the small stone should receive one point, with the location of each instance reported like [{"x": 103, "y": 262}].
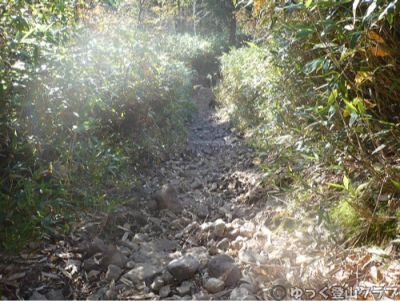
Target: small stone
[
  {"x": 179, "y": 235},
  {"x": 213, "y": 250},
  {"x": 37, "y": 296},
  {"x": 183, "y": 290},
  {"x": 219, "y": 228},
  {"x": 130, "y": 264},
  {"x": 183, "y": 268},
  {"x": 223, "y": 244},
  {"x": 157, "y": 284},
  {"x": 113, "y": 272},
  {"x": 128, "y": 244},
  {"x": 196, "y": 184},
  {"x": 93, "y": 275},
  {"x": 164, "y": 292},
  {"x": 90, "y": 265},
  {"x": 167, "y": 198},
  {"x": 237, "y": 244},
  {"x": 213, "y": 187},
  {"x": 55, "y": 295},
  {"x": 214, "y": 285},
  {"x": 97, "y": 246},
  {"x": 113, "y": 256},
  {"x": 224, "y": 268},
  {"x": 202, "y": 211},
  {"x": 143, "y": 272}
]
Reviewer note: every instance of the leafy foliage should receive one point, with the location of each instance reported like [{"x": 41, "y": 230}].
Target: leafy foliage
[
  {"x": 334, "y": 93},
  {"x": 80, "y": 108}
]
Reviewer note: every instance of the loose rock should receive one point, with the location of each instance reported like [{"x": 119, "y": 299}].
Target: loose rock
[
  {"x": 167, "y": 198},
  {"x": 184, "y": 267},
  {"x": 214, "y": 285},
  {"x": 113, "y": 272},
  {"x": 224, "y": 268}
]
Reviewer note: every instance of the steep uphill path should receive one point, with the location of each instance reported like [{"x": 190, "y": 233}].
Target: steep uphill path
[{"x": 197, "y": 228}]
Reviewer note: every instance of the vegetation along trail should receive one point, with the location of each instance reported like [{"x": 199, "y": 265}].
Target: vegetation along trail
[{"x": 208, "y": 150}]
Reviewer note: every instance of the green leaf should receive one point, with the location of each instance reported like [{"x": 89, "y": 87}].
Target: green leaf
[
  {"x": 308, "y": 3},
  {"x": 353, "y": 118},
  {"x": 313, "y": 65},
  {"x": 396, "y": 184},
  {"x": 354, "y": 39},
  {"x": 304, "y": 33},
  {"x": 393, "y": 86},
  {"x": 333, "y": 96},
  {"x": 350, "y": 105},
  {"x": 252, "y": 45},
  {"x": 346, "y": 182},
  {"x": 336, "y": 186}
]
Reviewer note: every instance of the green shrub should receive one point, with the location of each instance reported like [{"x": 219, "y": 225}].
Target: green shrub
[
  {"x": 81, "y": 111},
  {"x": 199, "y": 53}
]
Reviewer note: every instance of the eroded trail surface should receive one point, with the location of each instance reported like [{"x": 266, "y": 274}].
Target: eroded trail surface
[{"x": 198, "y": 228}]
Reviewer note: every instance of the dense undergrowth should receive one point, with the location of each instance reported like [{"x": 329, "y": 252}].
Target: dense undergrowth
[
  {"x": 83, "y": 108},
  {"x": 319, "y": 97}
]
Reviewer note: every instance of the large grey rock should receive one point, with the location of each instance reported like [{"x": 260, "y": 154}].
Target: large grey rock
[
  {"x": 214, "y": 285},
  {"x": 224, "y": 268},
  {"x": 184, "y": 267},
  {"x": 37, "y": 296},
  {"x": 113, "y": 272},
  {"x": 201, "y": 254},
  {"x": 55, "y": 295},
  {"x": 143, "y": 272},
  {"x": 113, "y": 256},
  {"x": 167, "y": 198},
  {"x": 157, "y": 252}
]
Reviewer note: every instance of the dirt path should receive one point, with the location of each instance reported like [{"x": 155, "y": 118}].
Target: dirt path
[{"x": 198, "y": 228}]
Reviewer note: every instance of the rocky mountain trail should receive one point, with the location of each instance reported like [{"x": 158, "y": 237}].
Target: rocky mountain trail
[{"x": 198, "y": 228}]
